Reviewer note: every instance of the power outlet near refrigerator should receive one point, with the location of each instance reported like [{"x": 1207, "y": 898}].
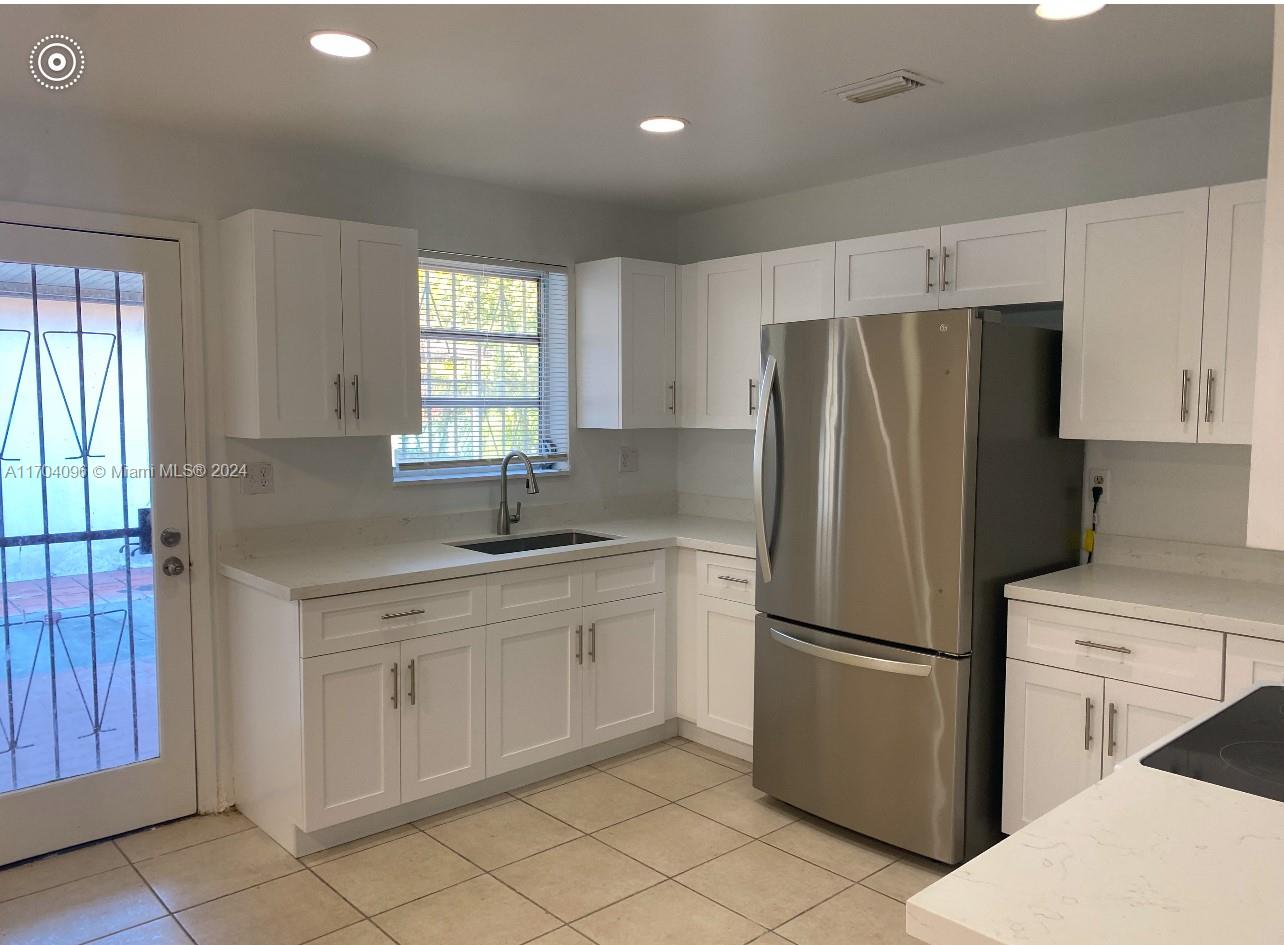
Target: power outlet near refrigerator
[
  {"x": 628, "y": 459},
  {"x": 258, "y": 480}
]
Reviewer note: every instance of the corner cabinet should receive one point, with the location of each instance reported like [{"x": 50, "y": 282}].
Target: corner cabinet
[
  {"x": 719, "y": 310},
  {"x": 322, "y": 323}
]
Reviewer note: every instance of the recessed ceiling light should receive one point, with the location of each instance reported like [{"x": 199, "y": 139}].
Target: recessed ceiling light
[
  {"x": 343, "y": 45},
  {"x": 1067, "y": 9},
  {"x": 663, "y": 125}
]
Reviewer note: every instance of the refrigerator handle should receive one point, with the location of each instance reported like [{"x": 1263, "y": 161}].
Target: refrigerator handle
[
  {"x": 859, "y": 660},
  {"x": 759, "y": 444}
]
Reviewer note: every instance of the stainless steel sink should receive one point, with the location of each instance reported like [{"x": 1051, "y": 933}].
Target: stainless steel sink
[{"x": 506, "y": 546}]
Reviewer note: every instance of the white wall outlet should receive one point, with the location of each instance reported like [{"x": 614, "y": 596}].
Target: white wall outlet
[
  {"x": 258, "y": 479},
  {"x": 628, "y": 459},
  {"x": 1099, "y": 477}
]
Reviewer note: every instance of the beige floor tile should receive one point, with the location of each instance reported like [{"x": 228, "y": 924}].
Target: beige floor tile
[
  {"x": 498, "y": 836},
  {"x": 363, "y": 933},
  {"x": 672, "y": 839},
  {"x": 854, "y": 915},
  {"x": 164, "y": 931},
  {"x": 741, "y": 806},
  {"x": 157, "y": 841},
  {"x": 577, "y": 878},
  {"x": 563, "y": 936},
  {"x": 906, "y": 877},
  {"x": 673, "y": 773},
  {"x": 356, "y": 846},
  {"x": 286, "y": 911},
  {"x": 763, "y": 883},
  {"x": 625, "y": 757},
  {"x": 677, "y": 740},
  {"x": 595, "y": 802},
  {"x": 198, "y": 874},
  {"x": 771, "y": 938},
  {"x": 837, "y": 850},
  {"x": 60, "y": 868},
  {"x": 668, "y": 914},
  {"x": 455, "y": 813},
  {"x": 388, "y": 875},
  {"x": 554, "y": 781},
  {"x": 482, "y": 911},
  {"x": 721, "y": 757},
  {"x": 79, "y": 911}
]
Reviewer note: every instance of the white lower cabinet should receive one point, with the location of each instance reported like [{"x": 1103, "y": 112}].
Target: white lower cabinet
[
  {"x": 1250, "y": 662},
  {"x": 624, "y": 659},
  {"x": 1139, "y": 716},
  {"x": 443, "y": 718},
  {"x": 724, "y": 667}
]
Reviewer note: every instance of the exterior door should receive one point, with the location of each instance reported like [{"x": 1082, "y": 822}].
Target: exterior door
[
  {"x": 1138, "y": 716},
  {"x": 443, "y": 721},
  {"x": 96, "y": 717},
  {"x": 895, "y": 272},
  {"x": 624, "y": 652}
]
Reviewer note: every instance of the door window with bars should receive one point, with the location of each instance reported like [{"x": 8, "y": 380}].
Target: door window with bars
[{"x": 493, "y": 367}]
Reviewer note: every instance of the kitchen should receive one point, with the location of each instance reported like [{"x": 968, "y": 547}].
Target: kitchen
[{"x": 596, "y": 533}]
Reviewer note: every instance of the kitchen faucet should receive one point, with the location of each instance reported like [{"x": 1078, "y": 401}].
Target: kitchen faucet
[{"x": 505, "y": 520}]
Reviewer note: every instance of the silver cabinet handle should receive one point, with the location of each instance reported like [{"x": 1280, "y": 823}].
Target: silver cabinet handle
[
  {"x": 401, "y": 613},
  {"x": 579, "y": 645},
  {"x": 759, "y": 444},
  {"x": 592, "y": 635},
  {"x": 396, "y": 685},
  {"x": 733, "y": 580},
  {"x": 1185, "y": 396},
  {"x": 673, "y": 397},
  {"x": 1110, "y": 738},
  {"x": 753, "y": 405},
  {"x": 1087, "y": 723},
  {"x": 338, "y": 396},
  {"x": 410, "y": 668},
  {"x": 928, "y": 279},
  {"x": 852, "y": 659},
  {"x": 1210, "y": 386},
  {"x": 945, "y": 269},
  {"x": 1103, "y": 646},
  {"x": 356, "y": 396}
]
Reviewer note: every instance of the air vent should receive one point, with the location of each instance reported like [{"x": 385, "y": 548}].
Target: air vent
[{"x": 881, "y": 86}]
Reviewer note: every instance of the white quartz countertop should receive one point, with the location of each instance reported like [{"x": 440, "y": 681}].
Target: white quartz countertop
[
  {"x": 321, "y": 572},
  {"x": 1142, "y": 856},
  {"x": 1246, "y": 608}
]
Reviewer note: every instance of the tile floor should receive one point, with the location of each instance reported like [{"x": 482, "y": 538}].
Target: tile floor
[{"x": 666, "y": 845}]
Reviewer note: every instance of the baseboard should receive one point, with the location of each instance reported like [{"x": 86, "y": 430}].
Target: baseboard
[{"x": 715, "y": 741}]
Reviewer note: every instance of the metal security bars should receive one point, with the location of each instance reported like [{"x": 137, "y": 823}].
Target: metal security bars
[
  {"x": 78, "y": 692},
  {"x": 494, "y": 365}
]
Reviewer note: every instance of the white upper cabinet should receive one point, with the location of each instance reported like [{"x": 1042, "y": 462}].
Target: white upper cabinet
[
  {"x": 798, "y": 284},
  {"x": 626, "y": 324},
  {"x": 1232, "y": 292},
  {"x": 321, "y": 327},
  {"x": 896, "y": 272},
  {"x": 1007, "y": 261},
  {"x": 720, "y": 302},
  {"x": 1134, "y": 300}
]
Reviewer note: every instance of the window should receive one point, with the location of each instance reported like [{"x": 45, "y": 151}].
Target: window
[{"x": 493, "y": 357}]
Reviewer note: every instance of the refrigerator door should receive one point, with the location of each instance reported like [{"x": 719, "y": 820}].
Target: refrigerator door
[
  {"x": 868, "y": 736},
  {"x": 864, "y": 464}
]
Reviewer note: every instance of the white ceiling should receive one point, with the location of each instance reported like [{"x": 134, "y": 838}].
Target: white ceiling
[{"x": 548, "y": 98}]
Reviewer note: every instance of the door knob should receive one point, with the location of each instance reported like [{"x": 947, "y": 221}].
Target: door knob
[
  {"x": 173, "y": 567},
  {"x": 170, "y": 537}
]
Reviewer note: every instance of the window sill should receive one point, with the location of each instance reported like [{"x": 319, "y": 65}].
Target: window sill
[{"x": 515, "y": 471}]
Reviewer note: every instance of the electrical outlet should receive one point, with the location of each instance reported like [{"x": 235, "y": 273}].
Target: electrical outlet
[
  {"x": 628, "y": 459},
  {"x": 1099, "y": 477},
  {"x": 258, "y": 479}
]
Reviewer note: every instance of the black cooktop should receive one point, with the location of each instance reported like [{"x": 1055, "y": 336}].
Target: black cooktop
[{"x": 1241, "y": 747}]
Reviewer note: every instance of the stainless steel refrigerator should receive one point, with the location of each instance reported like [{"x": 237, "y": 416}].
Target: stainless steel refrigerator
[{"x": 905, "y": 467}]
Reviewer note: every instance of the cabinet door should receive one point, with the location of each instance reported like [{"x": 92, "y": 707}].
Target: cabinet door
[
  {"x": 1250, "y": 662},
  {"x": 351, "y": 735},
  {"x": 649, "y": 344},
  {"x": 1051, "y": 739},
  {"x": 724, "y": 668},
  {"x": 1138, "y": 716},
  {"x": 381, "y": 329},
  {"x": 718, "y": 386},
  {"x": 1134, "y": 305},
  {"x": 624, "y": 653},
  {"x": 443, "y": 716},
  {"x": 533, "y": 683},
  {"x": 297, "y": 301},
  {"x": 896, "y": 272},
  {"x": 798, "y": 284},
  {"x": 1005, "y": 261},
  {"x": 1232, "y": 292}
]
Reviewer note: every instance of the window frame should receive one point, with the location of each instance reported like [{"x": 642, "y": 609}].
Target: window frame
[{"x": 488, "y": 468}]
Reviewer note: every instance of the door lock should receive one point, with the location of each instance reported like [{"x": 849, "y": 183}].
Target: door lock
[
  {"x": 170, "y": 537},
  {"x": 173, "y": 566}
]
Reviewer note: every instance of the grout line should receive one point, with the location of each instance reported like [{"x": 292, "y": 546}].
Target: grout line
[
  {"x": 130, "y": 928},
  {"x": 189, "y": 846},
  {"x": 781, "y": 925},
  {"x": 373, "y": 846},
  {"x": 342, "y": 928}
]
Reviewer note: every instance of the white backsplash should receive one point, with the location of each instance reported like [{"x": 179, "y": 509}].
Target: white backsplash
[{"x": 1186, "y": 557}]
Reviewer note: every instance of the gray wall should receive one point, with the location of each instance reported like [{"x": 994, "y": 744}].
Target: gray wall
[{"x": 1192, "y": 493}]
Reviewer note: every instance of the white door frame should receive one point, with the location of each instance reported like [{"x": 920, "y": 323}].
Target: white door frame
[{"x": 211, "y": 791}]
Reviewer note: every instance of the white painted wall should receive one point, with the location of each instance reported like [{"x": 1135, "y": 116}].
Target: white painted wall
[{"x": 1194, "y": 493}]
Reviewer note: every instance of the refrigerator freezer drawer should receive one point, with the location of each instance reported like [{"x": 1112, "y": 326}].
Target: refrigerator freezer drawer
[{"x": 868, "y": 736}]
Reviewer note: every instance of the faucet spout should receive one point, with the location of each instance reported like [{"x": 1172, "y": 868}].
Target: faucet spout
[{"x": 505, "y": 519}]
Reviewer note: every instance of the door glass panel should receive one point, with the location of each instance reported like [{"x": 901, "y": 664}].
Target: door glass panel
[{"x": 78, "y": 664}]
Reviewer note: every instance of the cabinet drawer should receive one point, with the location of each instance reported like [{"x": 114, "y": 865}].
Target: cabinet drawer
[
  {"x": 1183, "y": 659},
  {"x": 350, "y": 621},
  {"x": 725, "y": 576},
  {"x": 622, "y": 576},
  {"x": 531, "y": 591}
]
